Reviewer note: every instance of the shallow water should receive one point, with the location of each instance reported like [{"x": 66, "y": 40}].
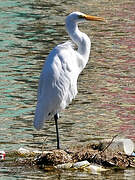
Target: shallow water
[{"x": 105, "y": 104}]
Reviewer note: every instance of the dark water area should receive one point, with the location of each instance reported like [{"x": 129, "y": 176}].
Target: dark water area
[{"x": 105, "y": 104}]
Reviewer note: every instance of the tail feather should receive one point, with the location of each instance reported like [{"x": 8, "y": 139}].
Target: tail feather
[{"x": 39, "y": 116}]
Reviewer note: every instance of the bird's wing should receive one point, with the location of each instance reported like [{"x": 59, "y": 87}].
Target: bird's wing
[{"x": 57, "y": 85}]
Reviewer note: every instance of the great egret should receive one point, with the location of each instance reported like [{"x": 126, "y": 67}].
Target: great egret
[{"x": 58, "y": 79}]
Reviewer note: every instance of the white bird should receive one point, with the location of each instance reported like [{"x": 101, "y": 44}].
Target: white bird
[{"x": 58, "y": 79}]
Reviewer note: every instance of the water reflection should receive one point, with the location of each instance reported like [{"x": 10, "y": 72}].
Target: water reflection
[{"x": 105, "y": 104}]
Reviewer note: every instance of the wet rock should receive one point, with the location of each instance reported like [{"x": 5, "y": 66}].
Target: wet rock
[
  {"x": 81, "y": 164},
  {"x": 64, "y": 166},
  {"x": 95, "y": 168}
]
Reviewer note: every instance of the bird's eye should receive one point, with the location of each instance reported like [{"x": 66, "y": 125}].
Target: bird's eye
[{"x": 81, "y": 16}]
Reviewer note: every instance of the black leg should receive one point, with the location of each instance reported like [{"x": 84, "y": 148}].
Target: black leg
[{"x": 57, "y": 130}]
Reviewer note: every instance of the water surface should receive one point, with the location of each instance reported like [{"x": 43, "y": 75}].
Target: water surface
[{"x": 105, "y": 104}]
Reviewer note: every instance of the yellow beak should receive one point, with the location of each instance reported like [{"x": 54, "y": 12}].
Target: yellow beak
[{"x": 93, "y": 18}]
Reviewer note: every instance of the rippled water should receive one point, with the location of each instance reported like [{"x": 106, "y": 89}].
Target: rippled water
[{"x": 105, "y": 104}]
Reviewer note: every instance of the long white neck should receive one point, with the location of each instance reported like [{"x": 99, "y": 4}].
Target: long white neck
[{"x": 80, "y": 39}]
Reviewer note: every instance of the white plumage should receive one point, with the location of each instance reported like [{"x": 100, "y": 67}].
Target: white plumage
[{"x": 58, "y": 79}]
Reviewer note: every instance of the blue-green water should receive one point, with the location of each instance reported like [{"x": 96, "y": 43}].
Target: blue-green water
[{"x": 105, "y": 104}]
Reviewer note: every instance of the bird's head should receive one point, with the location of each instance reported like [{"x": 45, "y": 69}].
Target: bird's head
[{"x": 77, "y": 17}]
